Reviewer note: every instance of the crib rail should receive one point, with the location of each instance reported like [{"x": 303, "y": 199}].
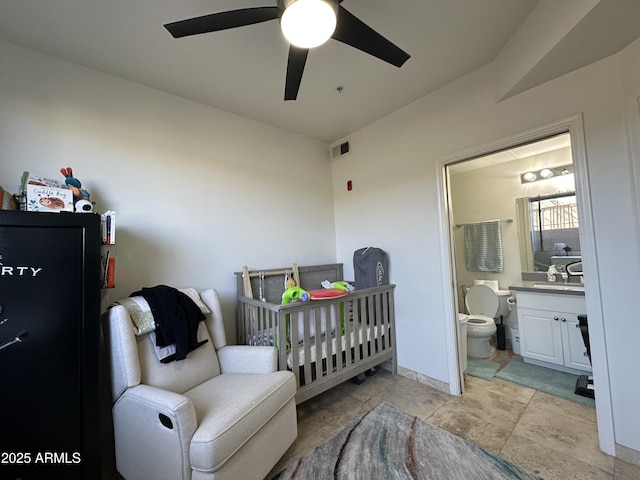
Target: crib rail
[{"x": 323, "y": 342}]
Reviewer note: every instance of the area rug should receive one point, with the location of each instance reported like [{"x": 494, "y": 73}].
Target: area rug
[
  {"x": 553, "y": 382},
  {"x": 481, "y": 368},
  {"x": 388, "y": 443}
]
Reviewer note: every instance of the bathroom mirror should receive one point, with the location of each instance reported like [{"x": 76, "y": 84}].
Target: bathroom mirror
[{"x": 548, "y": 231}]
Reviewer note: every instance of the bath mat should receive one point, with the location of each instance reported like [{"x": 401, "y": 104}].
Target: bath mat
[
  {"x": 481, "y": 368},
  {"x": 553, "y": 382},
  {"x": 389, "y": 443}
]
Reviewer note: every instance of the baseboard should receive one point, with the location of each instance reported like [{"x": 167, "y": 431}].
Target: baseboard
[
  {"x": 424, "y": 379},
  {"x": 627, "y": 454}
]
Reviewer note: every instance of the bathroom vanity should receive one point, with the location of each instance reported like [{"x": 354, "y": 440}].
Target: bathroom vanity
[{"x": 548, "y": 323}]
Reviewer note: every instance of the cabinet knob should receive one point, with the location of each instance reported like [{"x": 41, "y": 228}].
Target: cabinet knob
[
  {"x": 563, "y": 319},
  {"x": 556, "y": 318}
]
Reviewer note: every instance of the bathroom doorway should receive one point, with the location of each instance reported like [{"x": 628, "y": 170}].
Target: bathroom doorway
[
  {"x": 483, "y": 184},
  {"x": 491, "y": 191}
]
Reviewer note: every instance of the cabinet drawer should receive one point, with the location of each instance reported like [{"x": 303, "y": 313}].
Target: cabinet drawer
[{"x": 552, "y": 302}]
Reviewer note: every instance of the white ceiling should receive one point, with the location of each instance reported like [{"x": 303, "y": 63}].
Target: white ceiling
[
  {"x": 243, "y": 70},
  {"x": 539, "y": 147}
]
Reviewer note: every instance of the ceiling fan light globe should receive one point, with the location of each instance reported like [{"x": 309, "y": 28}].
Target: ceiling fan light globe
[{"x": 308, "y": 23}]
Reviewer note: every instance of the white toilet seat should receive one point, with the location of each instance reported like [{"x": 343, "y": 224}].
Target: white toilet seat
[
  {"x": 480, "y": 321},
  {"x": 482, "y": 300}
]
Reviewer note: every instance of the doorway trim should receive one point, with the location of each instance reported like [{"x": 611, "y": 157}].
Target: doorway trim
[{"x": 575, "y": 126}]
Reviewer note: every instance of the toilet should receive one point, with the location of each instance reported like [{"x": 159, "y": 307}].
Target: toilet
[{"x": 485, "y": 302}]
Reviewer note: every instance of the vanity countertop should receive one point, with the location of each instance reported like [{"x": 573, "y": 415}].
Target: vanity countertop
[{"x": 549, "y": 288}]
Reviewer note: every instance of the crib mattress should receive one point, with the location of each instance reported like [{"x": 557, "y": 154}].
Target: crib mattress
[{"x": 357, "y": 338}]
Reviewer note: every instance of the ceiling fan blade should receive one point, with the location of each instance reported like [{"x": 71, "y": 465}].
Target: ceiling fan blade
[
  {"x": 221, "y": 21},
  {"x": 354, "y": 32},
  {"x": 295, "y": 68}
]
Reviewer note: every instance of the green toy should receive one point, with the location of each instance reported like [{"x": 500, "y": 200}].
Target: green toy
[
  {"x": 291, "y": 295},
  {"x": 341, "y": 286},
  {"x": 294, "y": 294}
]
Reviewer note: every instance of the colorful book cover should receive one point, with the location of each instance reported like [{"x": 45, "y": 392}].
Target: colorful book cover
[
  {"x": 111, "y": 272},
  {"x": 108, "y": 220},
  {"x": 48, "y": 199},
  {"x": 31, "y": 179}
]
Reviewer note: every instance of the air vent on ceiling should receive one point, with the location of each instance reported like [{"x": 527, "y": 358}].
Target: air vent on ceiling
[{"x": 341, "y": 149}]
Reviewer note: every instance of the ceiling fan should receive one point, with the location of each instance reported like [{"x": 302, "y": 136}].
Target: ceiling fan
[{"x": 322, "y": 19}]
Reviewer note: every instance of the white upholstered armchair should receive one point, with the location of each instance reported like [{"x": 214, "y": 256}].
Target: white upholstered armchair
[{"x": 224, "y": 412}]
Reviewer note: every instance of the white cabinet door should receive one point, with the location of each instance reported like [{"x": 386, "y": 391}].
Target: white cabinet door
[
  {"x": 541, "y": 336},
  {"x": 575, "y": 352},
  {"x": 549, "y": 330}
]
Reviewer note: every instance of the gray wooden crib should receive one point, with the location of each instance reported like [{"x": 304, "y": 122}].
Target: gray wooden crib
[{"x": 323, "y": 342}]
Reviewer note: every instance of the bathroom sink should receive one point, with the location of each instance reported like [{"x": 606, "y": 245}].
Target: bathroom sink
[{"x": 559, "y": 286}]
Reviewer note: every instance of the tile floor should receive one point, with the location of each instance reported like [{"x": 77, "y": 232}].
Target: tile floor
[{"x": 546, "y": 435}]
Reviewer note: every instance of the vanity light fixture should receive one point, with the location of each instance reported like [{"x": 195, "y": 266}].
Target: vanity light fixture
[{"x": 545, "y": 173}]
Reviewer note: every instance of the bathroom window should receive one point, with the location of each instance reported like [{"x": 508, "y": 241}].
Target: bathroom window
[{"x": 554, "y": 224}]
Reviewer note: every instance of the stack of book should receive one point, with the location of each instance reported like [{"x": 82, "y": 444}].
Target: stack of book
[
  {"x": 108, "y": 221},
  {"x": 42, "y": 194},
  {"x": 108, "y": 233}
]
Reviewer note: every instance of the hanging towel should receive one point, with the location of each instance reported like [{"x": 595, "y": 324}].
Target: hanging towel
[{"x": 483, "y": 246}]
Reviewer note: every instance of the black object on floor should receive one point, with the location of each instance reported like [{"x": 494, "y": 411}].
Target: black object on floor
[
  {"x": 500, "y": 335},
  {"x": 584, "y": 384},
  {"x": 359, "y": 379}
]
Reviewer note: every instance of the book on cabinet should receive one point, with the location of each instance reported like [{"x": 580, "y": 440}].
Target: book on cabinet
[{"x": 108, "y": 256}]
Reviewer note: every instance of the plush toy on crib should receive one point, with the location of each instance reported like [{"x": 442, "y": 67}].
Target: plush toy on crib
[
  {"x": 289, "y": 281},
  {"x": 80, "y": 195},
  {"x": 339, "y": 285}
]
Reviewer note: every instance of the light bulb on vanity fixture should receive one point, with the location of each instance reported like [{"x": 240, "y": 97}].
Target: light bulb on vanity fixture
[
  {"x": 308, "y": 23},
  {"x": 545, "y": 173}
]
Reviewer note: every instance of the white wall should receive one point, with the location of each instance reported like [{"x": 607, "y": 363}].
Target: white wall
[
  {"x": 198, "y": 192},
  {"x": 394, "y": 168}
]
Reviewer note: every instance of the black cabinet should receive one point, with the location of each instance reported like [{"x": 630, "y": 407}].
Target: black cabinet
[{"x": 49, "y": 345}]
